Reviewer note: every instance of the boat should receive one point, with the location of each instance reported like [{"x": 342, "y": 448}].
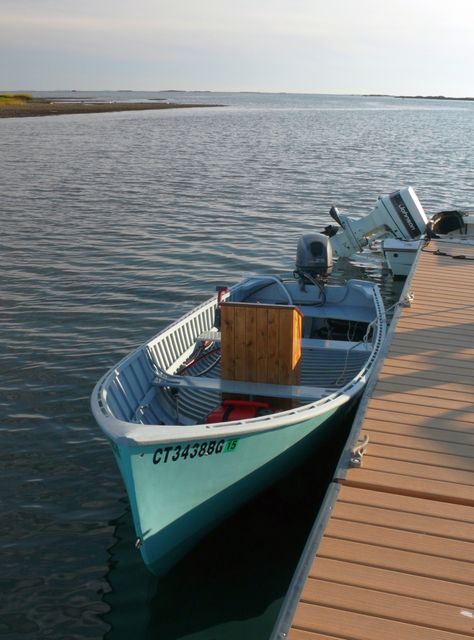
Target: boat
[
  {"x": 397, "y": 227},
  {"x": 452, "y": 226},
  {"x": 229, "y": 398}
]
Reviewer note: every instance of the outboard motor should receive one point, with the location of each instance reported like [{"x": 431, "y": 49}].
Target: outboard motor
[
  {"x": 313, "y": 257},
  {"x": 397, "y": 215},
  {"x": 445, "y": 222}
]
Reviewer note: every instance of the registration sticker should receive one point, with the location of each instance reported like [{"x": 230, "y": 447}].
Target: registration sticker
[{"x": 230, "y": 445}]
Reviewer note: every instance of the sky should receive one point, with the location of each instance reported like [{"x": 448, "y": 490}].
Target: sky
[{"x": 400, "y": 47}]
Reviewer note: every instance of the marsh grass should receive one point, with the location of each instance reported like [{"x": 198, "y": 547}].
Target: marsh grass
[{"x": 14, "y": 98}]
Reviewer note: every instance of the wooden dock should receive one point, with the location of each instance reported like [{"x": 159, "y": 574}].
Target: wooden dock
[{"x": 391, "y": 556}]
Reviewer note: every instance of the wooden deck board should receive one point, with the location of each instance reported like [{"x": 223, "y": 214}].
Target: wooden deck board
[
  {"x": 425, "y": 343},
  {"x": 301, "y": 634},
  {"x": 437, "y": 301},
  {"x": 427, "y": 335},
  {"x": 428, "y": 422},
  {"x": 445, "y": 458},
  {"x": 463, "y": 414},
  {"x": 412, "y": 486},
  {"x": 393, "y": 502},
  {"x": 440, "y": 441},
  {"x": 450, "y": 328},
  {"x": 438, "y": 339},
  {"x": 397, "y": 520},
  {"x": 400, "y": 608},
  {"x": 389, "y": 581},
  {"x": 439, "y": 308},
  {"x": 395, "y": 560},
  {"x": 450, "y": 475},
  {"x": 459, "y": 393},
  {"x": 399, "y": 538},
  {"x": 355, "y": 626},
  {"x": 426, "y": 360},
  {"x": 442, "y": 405},
  {"x": 371, "y": 554},
  {"x": 422, "y": 374}
]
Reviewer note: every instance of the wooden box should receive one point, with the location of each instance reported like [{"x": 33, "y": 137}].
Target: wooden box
[{"x": 260, "y": 342}]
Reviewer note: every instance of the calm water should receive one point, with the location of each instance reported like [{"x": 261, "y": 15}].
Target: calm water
[{"x": 113, "y": 225}]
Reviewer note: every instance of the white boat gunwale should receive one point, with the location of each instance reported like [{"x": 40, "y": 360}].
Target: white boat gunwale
[{"x": 134, "y": 434}]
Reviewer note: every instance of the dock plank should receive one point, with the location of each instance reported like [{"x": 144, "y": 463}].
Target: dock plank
[
  {"x": 461, "y": 414},
  {"x": 436, "y": 358},
  {"x": 416, "y": 351},
  {"x": 418, "y": 506},
  {"x": 399, "y": 608},
  {"x": 301, "y": 634},
  {"x": 419, "y": 470},
  {"x": 391, "y": 581},
  {"x": 397, "y": 520},
  {"x": 440, "y": 458},
  {"x": 457, "y": 393},
  {"x": 435, "y": 402},
  {"x": 400, "y": 538},
  {"x": 419, "y": 374},
  {"x": 447, "y": 325},
  {"x": 439, "y": 441},
  {"x": 411, "y": 486},
  {"x": 397, "y": 415},
  {"x": 374, "y": 555},
  {"x": 422, "y": 374},
  {"x": 443, "y": 307},
  {"x": 355, "y": 626}
]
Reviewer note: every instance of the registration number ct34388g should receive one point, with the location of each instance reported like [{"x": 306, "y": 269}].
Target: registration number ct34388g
[{"x": 164, "y": 455}]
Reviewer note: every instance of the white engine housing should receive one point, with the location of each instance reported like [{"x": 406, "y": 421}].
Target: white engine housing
[{"x": 397, "y": 215}]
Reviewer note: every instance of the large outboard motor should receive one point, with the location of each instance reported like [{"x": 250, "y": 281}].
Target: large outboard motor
[
  {"x": 314, "y": 256},
  {"x": 397, "y": 215}
]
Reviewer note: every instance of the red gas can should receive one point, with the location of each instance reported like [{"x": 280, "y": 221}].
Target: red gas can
[{"x": 239, "y": 410}]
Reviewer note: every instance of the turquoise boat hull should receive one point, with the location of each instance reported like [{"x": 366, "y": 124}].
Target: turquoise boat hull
[{"x": 179, "y": 491}]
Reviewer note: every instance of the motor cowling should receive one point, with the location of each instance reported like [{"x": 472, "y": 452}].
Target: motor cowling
[
  {"x": 314, "y": 255},
  {"x": 445, "y": 222},
  {"x": 396, "y": 215}
]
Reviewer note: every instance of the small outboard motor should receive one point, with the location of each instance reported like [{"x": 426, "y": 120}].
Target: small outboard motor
[{"x": 313, "y": 256}]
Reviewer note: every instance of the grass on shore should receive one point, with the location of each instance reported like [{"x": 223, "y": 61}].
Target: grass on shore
[{"x": 14, "y": 98}]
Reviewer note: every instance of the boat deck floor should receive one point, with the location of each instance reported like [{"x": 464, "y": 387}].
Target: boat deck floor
[{"x": 391, "y": 555}]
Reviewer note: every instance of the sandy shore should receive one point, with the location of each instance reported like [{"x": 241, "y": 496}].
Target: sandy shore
[{"x": 38, "y": 107}]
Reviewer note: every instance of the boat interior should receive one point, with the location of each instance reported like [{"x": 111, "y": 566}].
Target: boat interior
[{"x": 324, "y": 338}]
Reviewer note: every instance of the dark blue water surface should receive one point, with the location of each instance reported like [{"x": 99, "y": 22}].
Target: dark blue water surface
[{"x": 112, "y": 225}]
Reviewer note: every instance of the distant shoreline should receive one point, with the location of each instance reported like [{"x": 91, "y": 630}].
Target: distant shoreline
[
  {"x": 43, "y": 107},
  {"x": 386, "y": 95}
]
